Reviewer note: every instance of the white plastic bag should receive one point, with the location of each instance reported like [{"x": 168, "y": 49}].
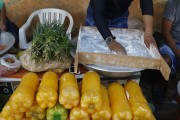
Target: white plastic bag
[
  {"x": 9, "y": 64},
  {"x": 31, "y": 65}
]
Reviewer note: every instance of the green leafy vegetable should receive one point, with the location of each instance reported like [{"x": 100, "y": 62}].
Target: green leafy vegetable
[{"x": 50, "y": 42}]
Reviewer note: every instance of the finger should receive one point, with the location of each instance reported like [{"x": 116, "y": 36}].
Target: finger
[
  {"x": 147, "y": 45},
  {"x": 153, "y": 42},
  {"x": 122, "y": 51},
  {"x": 156, "y": 46},
  {"x": 117, "y": 50}
]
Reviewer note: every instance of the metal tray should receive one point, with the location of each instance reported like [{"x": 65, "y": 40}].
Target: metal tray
[
  {"x": 103, "y": 70},
  {"x": 89, "y": 40}
]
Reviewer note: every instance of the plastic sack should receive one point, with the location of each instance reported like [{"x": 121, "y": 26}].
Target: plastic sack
[
  {"x": 30, "y": 65},
  {"x": 9, "y": 64}
]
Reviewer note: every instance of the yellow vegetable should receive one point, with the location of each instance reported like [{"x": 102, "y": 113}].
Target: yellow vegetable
[
  {"x": 9, "y": 114},
  {"x": 68, "y": 91},
  {"x": 77, "y": 113},
  {"x": 7, "y": 118},
  {"x": 36, "y": 112},
  {"x": 25, "y": 118},
  {"x": 47, "y": 93},
  {"x": 119, "y": 105},
  {"x": 91, "y": 99},
  {"x": 1, "y": 117},
  {"x": 105, "y": 112},
  {"x": 139, "y": 105},
  {"x": 24, "y": 95}
]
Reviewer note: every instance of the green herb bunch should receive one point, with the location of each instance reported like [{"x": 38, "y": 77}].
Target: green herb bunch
[{"x": 50, "y": 42}]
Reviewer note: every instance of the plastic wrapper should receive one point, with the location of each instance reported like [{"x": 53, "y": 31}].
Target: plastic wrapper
[
  {"x": 30, "y": 65},
  {"x": 9, "y": 64}
]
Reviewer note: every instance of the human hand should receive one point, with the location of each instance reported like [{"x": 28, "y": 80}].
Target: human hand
[
  {"x": 149, "y": 39},
  {"x": 115, "y": 46}
]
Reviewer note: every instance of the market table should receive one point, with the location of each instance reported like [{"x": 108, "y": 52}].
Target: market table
[
  {"x": 18, "y": 75},
  {"x": 10, "y": 82}
]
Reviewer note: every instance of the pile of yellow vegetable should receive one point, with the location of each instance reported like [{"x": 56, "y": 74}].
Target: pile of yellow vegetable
[{"x": 87, "y": 101}]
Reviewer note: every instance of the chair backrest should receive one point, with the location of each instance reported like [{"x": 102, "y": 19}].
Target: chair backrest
[
  {"x": 53, "y": 14},
  {"x": 45, "y": 15}
]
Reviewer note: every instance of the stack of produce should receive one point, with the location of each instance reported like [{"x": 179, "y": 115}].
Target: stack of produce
[
  {"x": 22, "y": 98},
  {"x": 120, "y": 107},
  {"x": 35, "y": 112},
  {"x": 89, "y": 101},
  {"x": 8, "y": 113},
  {"x": 105, "y": 112},
  {"x": 78, "y": 113},
  {"x": 91, "y": 97},
  {"x": 139, "y": 105},
  {"x": 47, "y": 93},
  {"x": 68, "y": 91}
]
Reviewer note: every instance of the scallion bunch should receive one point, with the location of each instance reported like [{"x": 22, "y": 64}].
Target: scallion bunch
[{"x": 50, "y": 42}]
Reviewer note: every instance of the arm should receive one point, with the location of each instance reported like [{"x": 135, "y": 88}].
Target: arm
[
  {"x": 148, "y": 23},
  {"x": 148, "y": 38},
  {"x": 3, "y": 18},
  {"x": 147, "y": 12},
  {"x": 99, "y": 7},
  {"x": 166, "y": 29}
]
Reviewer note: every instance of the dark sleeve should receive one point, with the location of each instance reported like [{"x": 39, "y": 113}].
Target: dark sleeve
[
  {"x": 146, "y": 7},
  {"x": 98, "y": 7}
]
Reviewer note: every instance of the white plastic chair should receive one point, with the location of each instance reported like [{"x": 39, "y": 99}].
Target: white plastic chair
[{"x": 44, "y": 15}]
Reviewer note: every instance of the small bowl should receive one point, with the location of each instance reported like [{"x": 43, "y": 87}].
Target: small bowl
[{"x": 6, "y": 39}]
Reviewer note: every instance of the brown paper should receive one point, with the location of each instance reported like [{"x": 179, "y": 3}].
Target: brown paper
[{"x": 124, "y": 60}]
